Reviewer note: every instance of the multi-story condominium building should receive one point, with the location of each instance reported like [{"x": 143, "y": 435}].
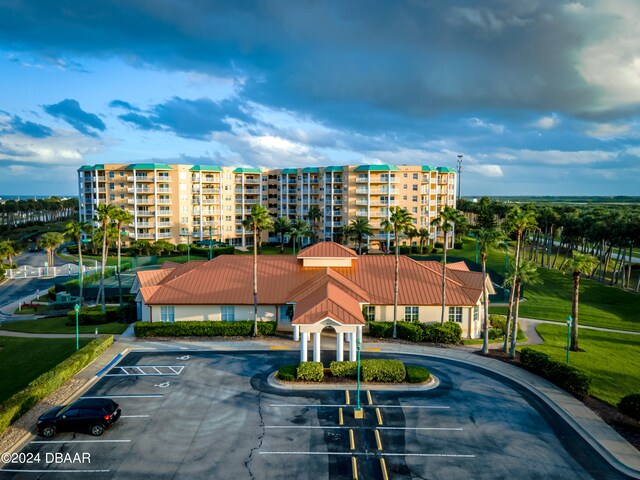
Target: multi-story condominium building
[{"x": 181, "y": 203}]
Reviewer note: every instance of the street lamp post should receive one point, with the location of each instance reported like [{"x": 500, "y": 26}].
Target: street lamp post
[
  {"x": 76, "y": 307},
  {"x": 358, "y": 412},
  {"x": 459, "y": 174},
  {"x": 569, "y": 323}
]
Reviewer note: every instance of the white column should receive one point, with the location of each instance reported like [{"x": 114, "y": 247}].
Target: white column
[
  {"x": 303, "y": 346},
  {"x": 339, "y": 347},
  {"x": 316, "y": 347},
  {"x": 296, "y": 333},
  {"x": 352, "y": 350},
  {"x": 155, "y": 203},
  {"x": 359, "y": 333}
]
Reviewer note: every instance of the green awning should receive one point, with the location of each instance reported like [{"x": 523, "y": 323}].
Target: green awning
[
  {"x": 289, "y": 171},
  {"x": 248, "y": 170},
  {"x": 427, "y": 168},
  {"x": 446, "y": 170},
  {"x": 205, "y": 168},
  {"x": 85, "y": 168},
  {"x": 377, "y": 168},
  {"x": 333, "y": 169},
  {"x": 148, "y": 166},
  {"x": 311, "y": 170}
]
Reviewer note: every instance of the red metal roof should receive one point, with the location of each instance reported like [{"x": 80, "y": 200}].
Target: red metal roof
[
  {"x": 328, "y": 300},
  {"x": 327, "y": 250}
]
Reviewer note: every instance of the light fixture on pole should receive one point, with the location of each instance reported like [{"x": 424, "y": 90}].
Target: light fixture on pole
[
  {"x": 358, "y": 411},
  {"x": 459, "y": 174},
  {"x": 76, "y": 308},
  {"x": 569, "y": 324}
]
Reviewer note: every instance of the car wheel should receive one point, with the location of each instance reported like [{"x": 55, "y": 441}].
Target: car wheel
[
  {"x": 49, "y": 431},
  {"x": 97, "y": 430}
]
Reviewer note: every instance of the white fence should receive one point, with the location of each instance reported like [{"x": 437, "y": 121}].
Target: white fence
[{"x": 67, "y": 270}]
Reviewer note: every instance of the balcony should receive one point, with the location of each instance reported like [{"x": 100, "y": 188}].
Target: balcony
[
  {"x": 101, "y": 190},
  {"x": 165, "y": 235},
  {"x": 138, "y": 191},
  {"x": 211, "y": 179},
  {"x": 163, "y": 190},
  {"x": 384, "y": 179},
  {"x": 247, "y": 181},
  {"x": 247, "y": 191},
  {"x": 145, "y": 213},
  {"x": 163, "y": 223},
  {"x": 385, "y": 191},
  {"x": 211, "y": 223},
  {"x": 140, "y": 201},
  {"x": 251, "y": 201},
  {"x": 163, "y": 201},
  {"x": 164, "y": 213},
  {"x": 362, "y": 191},
  {"x": 146, "y": 236},
  {"x": 145, "y": 225},
  {"x": 361, "y": 202},
  {"x": 143, "y": 178},
  {"x": 329, "y": 191},
  {"x": 210, "y": 200},
  {"x": 378, "y": 214},
  {"x": 196, "y": 189},
  {"x": 362, "y": 180}
]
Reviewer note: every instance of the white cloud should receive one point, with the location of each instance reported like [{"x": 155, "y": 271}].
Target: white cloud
[
  {"x": 574, "y": 7},
  {"x": 478, "y": 123},
  {"x": 494, "y": 171},
  {"x": 63, "y": 148},
  {"x": 547, "y": 122},
  {"x": 559, "y": 157},
  {"x": 608, "y": 130}
]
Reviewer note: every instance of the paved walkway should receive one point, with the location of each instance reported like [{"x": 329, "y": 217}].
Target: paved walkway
[{"x": 581, "y": 327}]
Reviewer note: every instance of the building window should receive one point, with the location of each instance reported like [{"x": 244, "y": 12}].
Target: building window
[
  {"x": 111, "y": 174},
  {"x": 476, "y": 313},
  {"x": 112, "y": 186},
  {"x": 112, "y": 197},
  {"x": 286, "y": 313},
  {"x": 228, "y": 313},
  {"x": 404, "y": 175},
  {"x": 415, "y": 176},
  {"x": 122, "y": 185},
  {"x": 122, "y": 196},
  {"x": 411, "y": 314},
  {"x": 414, "y": 198},
  {"x": 455, "y": 314},
  {"x": 415, "y": 187},
  {"x": 167, "y": 313},
  {"x": 369, "y": 313}
]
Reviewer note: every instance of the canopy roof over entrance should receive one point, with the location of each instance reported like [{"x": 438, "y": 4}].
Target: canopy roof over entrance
[{"x": 328, "y": 300}]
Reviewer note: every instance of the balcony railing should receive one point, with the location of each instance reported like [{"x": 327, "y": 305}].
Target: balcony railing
[
  {"x": 362, "y": 180},
  {"x": 164, "y": 213},
  {"x": 210, "y": 201},
  {"x": 165, "y": 224},
  {"x": 146, "y": 236},
  {"x": 361, "y": 202},
  {"x": 163, "y": 190},
  {"x": 145, "y": 213},
  {"x": 164, "y": 201},
  {"x": 144, "y": 178},
  {"x": 165, "y": 235},
  {"x": 138, "y": 190}
]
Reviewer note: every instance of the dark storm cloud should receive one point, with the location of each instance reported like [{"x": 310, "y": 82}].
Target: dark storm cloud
[
  {"x": 347, "y": 62},
  {"x": 30, "y": 129},
  {"x": 69, "y": 110},
  {"x": 124, "y": 105},
  {"x": 195, "y": 119}
]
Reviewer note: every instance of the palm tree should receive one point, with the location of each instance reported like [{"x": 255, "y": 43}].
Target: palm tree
[
  {"x": 423, "y": 235},
  {"x": 314, "y": 215},
  {"x": 578, "y": 264},
  {"x": 8, "y": 250},
  {"x": 50, "y": 241},
  {"x": 299, "y": 229},
  {"x": 411, "y": 232},
  {"x": 74, "y": 231},
  {"x": 358, "y": 229},
  {"x": 487, "y": 238},
  {"x": 282, "y": 226},
  {"x": 258, "y": 221},
  {"x": 517, "y": 221},
  {"x": 446, "y": 221},
  {"x": 526, "y": 272},
  {"x": 121, "y": 217},
  {"x": 104, "y": 213},
  {"x": 398, "y": 222}
]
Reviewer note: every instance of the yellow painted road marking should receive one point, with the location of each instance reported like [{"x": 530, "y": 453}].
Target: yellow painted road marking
[
  {"x": 372, "y": 349},
  {"x": 340, "y": 417},
  {"x": 278, "y": 347},
  {"x": 379, "y": 415},
  {"x": 383, "y": 467},
  {"x": 378, "y": 441},
  {"x": 346, "y": 394},
  {"x": 352, "y": 442},
  {"x": 354, "y": 467},
  {"x": 369, "y": 397}
]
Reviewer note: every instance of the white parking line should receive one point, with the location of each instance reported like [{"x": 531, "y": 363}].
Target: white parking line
[
  {"x": 134, "y": 416},
  {"x": 81, "y": 441},
  {"x": 17, "y": 470},
  {"x": 362, "y": 454},
  {"x": 145, "y": 370}
]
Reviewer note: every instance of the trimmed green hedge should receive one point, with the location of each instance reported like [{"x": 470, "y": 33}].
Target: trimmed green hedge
[
  {"x": 344, "y": 369},
  {"x": 574, "y": 381},
  {"x": 20, "y": 403},
  {"x": 630, "y": 405},
  {"x": 287, "y": 373},
  {"x": 242, "y": 328},
  {"x": 94, "y": 315},
  {"x": 310, "y": 372},
  {"x": 449, "y": 333},
  {"x": 417, "y": 374},
  {"x": 383, "y": 371}
]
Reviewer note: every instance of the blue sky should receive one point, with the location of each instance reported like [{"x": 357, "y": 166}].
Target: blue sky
[{"x": 541, "y": 97}]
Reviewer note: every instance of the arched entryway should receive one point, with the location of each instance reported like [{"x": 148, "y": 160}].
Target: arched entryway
[{"x": 345, "y": 333}]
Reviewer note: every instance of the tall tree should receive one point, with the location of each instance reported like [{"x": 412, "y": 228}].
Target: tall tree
[
  {"x": 49, "y": 242},
  {"x": 359, "y": 229},
  {"x": 122, "y": 218},
  {"x": 258, "y": 221},
  {"x": 525, "y": 273},
  {"x": 7, "y": 250},
  {"x": 314, "y": 215},
  {"x": 299, "y": 229},
  {"x": 488, "y": 239},
  {"x": 398, "y": 222},
  {"x": 74, "y": 232},
  {"x": 282, "y": 226},
  {"x": 446, "y": 221},
  {"x": 577, "y": 265},
  {"x": 411, "y": 232},
  {"x": 517, "y": 221},
  {"x": 104, "y": 213},
  {"x": 423, "y": 235}
]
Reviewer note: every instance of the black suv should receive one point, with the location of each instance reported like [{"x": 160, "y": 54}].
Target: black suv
[{"x": 86, "y": 415}]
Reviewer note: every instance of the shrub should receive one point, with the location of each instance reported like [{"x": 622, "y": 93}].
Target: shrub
[
  {"x": 344, "y": 369},
  {"x": 417, "y": 374},
  {"x": 458, "y": 245},
  {"x": 287, "y": 373},
  {"x": 381, "y": 329},
  {"x": 310, "y": 371},
  {"x": 495, "y": 333},
  {"x": 410, "y": 331},
  {"x": 94, "y": 315},
  {"x": 52, "y": 294},
  {"x": 566, "y": 377},
  {"x": 20, "y": 403},
  {"x": 450, "y": 333},
  {"x": 241, "y": 328},
  {"x": 182, "y": 248},
  {"x": 438, "y": 245},
  {"x": 383, "y": 371},
  {"x": 630, "y": 405},
  {"x": 404, "y": 250},
  {"x": 498, "y": 321}
]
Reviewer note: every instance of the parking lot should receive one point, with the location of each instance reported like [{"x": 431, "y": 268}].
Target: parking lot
[{"x": 212, "y": 415}]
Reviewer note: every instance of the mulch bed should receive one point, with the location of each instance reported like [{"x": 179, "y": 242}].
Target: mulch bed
[{"x": 627, "y": 427}]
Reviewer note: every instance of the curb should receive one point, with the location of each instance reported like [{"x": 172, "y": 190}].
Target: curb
[{"x": 274, "y": 382}]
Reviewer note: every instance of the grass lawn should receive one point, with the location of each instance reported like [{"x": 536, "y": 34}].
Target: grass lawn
[
  {"x": 23, "y": 359},
  {"x": 479, "y": 341},
  {"x": 58, "y": 325},
  {"x": 612, "y": 359},
  {"x": 41, "y": 310}
]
